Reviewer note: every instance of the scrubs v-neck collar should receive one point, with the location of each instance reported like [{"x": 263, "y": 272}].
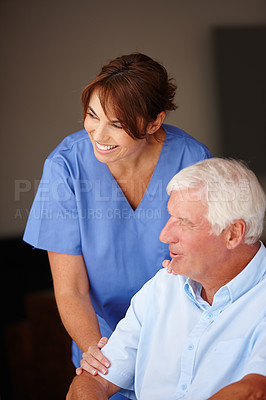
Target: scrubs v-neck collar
[{"x": 152, "y": 182}]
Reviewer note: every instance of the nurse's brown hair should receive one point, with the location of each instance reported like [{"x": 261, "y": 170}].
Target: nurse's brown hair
[{"x": 136, "y": 88}]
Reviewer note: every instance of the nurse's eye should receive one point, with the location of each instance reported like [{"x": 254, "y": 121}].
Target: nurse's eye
[
  {"x": 118, "y": 126},
  {"x": 91, "y": 115}
]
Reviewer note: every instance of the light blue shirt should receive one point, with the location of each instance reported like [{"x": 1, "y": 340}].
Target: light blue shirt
[{"x": 172, "y": 344}]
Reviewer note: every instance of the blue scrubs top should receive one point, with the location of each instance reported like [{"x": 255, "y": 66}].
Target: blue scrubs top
[{"x": 80, "y": 209}]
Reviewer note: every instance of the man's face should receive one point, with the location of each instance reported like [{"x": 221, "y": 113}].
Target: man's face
[{"x": 195, "y": 252}]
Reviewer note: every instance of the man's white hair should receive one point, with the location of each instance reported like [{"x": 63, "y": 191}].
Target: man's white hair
[{"x": 230, "y": 190}]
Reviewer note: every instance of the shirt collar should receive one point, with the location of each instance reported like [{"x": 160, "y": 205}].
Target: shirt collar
[
  {"x": 193, "y": 291},
  {"x": 244, "y": 281},
  {"x": 250, "y": 276}
]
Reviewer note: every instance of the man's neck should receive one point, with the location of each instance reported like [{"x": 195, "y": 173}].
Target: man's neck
[{"x": 237, "y": 261}]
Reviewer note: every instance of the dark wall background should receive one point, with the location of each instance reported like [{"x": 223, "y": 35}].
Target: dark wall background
[
  {"x": 35, "y": 348},
  {"x": 241, "y": 65},
  {"x": 49, "y": 50}
]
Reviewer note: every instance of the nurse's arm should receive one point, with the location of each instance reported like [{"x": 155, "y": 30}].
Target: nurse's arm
[
  {"x": 252, "y": 386},
  {"x": 88, "y": 387},
  {"x": 71, "y": 286}
]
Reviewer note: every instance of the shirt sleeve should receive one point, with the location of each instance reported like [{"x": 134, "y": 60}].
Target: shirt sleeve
[
  {"x": 257, "y": 359},
  {"x": 53, "y": 222},
  {"x": 122, "y": 346}
]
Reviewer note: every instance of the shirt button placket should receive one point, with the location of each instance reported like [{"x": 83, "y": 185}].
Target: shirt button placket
[
  {"x": 189, "y": 352},
  {"x": 189, "y": 356}
]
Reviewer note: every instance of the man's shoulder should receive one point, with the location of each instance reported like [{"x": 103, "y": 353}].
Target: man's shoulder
[{"x": 162, "y": 284}]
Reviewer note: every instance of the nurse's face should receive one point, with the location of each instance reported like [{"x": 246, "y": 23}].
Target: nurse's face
[{"x": 110, "y": 141}]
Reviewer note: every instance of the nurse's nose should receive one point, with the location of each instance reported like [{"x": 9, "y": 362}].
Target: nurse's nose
[{"x": 99, "y": 132}]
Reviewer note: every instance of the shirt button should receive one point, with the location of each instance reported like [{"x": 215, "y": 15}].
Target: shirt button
[
  {"x": 184, "y": 387},
  {"x": 210, "y": 316},
  {"x": 190, "y": 347}
]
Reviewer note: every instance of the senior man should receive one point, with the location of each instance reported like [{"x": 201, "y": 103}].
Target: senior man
[{"x": 200, "y": 332}]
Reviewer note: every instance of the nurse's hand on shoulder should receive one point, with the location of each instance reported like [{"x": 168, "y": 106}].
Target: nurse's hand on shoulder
[
  {"x": 167, "y": 265},
  {"x": 93, "y": 360}
]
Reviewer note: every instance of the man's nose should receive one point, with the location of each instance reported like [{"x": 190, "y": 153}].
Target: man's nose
[{"x": 165, "y": 233}]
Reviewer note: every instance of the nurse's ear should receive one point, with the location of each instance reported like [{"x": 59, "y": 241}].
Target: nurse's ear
[{"x": 156, "y": 124}]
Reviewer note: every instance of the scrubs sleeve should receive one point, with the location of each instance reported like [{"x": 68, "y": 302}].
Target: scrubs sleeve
[
  {"x": 122, "y": 347},
  {"x": 53, "y": 222},
  {"x": 257, "y": 359},
  {"x": 194, "y": 154},
  {"x": 206, "y": 154}
]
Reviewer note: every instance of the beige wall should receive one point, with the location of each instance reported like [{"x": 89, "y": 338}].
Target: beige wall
[{"x": 51, "y": 49}]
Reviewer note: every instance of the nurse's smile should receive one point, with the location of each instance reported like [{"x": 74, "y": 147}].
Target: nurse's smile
[{"x": 105, "y": 149}]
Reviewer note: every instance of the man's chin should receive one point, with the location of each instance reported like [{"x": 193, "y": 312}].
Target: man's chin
[{"x": 175, "y": 267}]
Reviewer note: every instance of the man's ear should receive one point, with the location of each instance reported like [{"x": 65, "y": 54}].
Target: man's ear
[
  {"x": 236, "y": 233},
  {"x": 156, "y": 125}
]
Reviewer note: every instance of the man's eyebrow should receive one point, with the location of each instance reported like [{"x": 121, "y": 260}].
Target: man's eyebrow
[{"x": 185, "y": 221}]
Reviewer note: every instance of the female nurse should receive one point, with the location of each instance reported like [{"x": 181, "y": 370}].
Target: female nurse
[{"x": 102, "y": 200}]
